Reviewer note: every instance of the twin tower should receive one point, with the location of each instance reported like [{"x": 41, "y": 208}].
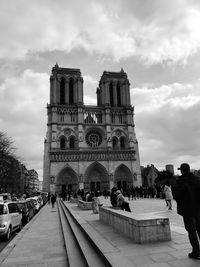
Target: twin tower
[{"x": 90, "y": 147}]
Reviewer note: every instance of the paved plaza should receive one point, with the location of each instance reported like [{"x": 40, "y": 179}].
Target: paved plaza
[{"x": 41, "y": 243}]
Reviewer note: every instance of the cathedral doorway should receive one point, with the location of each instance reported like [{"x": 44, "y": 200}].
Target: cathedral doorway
[
  {"x": 66, "y": 181},
  {"x": 123, "y": 178},
  {"x": 96, "y": 178}
]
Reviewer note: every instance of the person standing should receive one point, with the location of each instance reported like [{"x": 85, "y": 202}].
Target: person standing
[
  {"x": 96, "y": 202},
  {"x": 53, "y": 200},
  {"x": 168, "y": 195},
  {"x": 187, "y": 196},
  {"x": 113, "y": 197}
]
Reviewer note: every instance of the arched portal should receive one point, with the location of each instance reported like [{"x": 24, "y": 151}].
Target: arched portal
[
  {"x": 123, "y": 178},
  {"x": 66, "y": 181},
  {"x": 96, "y": 178}
]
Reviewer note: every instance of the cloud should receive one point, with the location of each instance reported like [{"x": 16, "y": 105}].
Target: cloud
[
  {"x": 167, "y": 123},
  {"x": 90, "y": 85},
  {"x": 154, "y": 31},
  {"x": 23, "y": 115}
]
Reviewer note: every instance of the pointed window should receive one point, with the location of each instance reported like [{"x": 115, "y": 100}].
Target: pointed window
[
  {"x": 118, "y": 94},
  {"x": 122, "y": 142},
  {"x": 62, "y": 143},
  {"x": 111, "y": 94},
  {"x": 72, "y": 143},
  {"x": 62, "y": 91},
  {"x": 71, "y": 92},
  {"x": 114, "y": 143}
]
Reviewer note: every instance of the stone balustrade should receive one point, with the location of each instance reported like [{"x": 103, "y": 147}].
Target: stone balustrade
[
  {"x": 97, "y": 155},
  {"x": 141, "y": 228}
]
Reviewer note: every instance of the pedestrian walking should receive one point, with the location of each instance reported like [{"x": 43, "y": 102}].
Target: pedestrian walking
[
  {"x": 53, "y": 200},
  {"x": 187, "y": 195},
  {"x": 133, "y": 192},
  {"x": 48, "y": 198},
  {"x": 168, "y": 195}
]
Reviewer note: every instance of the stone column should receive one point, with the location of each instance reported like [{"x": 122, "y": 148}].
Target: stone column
[
  {"x": 128, "y": 100},
  {"x": 103, "y": 97},
  {"x": 80, "y": 91},
  {"x": 111, "y": 184},
  {"x": 67, "y": 91},
  {"x": 51, "y": 90},
  {"x": 107, "y": 93},
  {"x": 108, "y": 116},
  {"x": 55, "y": 90},
  {"x": 123, "y": 94},
  {"x": 54, "y": 115}
]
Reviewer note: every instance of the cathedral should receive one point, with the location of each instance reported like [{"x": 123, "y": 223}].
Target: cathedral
[{"x": 90, "y": 147}]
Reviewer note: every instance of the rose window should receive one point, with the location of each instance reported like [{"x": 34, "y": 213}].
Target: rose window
[{"x": 93, "y": 138}]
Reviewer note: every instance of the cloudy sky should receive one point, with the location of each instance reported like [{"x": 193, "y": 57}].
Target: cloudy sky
[{"x": 157, "y": 43}]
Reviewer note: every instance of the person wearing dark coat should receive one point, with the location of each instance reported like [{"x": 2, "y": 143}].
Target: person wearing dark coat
[
  {"x": 187, "y": 196},
  {"x": 113, "y": 197},
  {"x": 53, "y": 200}
]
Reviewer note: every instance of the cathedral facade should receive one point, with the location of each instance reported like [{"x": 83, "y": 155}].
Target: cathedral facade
[{"x": 90, "y": 147}]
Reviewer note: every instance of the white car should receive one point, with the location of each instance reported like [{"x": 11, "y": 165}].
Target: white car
[{"x": 10, "y": 219}]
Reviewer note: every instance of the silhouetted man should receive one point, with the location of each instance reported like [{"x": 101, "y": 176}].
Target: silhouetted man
[{"x": 187, "y": 195}]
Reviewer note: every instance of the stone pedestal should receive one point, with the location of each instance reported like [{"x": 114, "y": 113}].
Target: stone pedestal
[{"x": 140, "y": 228}]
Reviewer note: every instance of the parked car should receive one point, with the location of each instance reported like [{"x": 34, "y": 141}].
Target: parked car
[
  {"x": 36, "y": 203},
  {"x": 10, "y": 219},
  {"x": 28, "y": 210}
]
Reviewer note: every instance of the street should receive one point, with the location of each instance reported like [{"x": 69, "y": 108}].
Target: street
[{"x": 4, "y": 243}]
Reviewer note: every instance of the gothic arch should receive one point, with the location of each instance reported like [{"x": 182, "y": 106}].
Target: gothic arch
[
  {"x": 66, "y": 132},
  {"x": 62, "y": 142},
  {"x": 115, "y": 142},
  {"x": 72, "y": 142},
  {"x": 122, "y": 141},
  {"x": 121, "y": 138},
  {"x": 62, "y": 91},
  {"x": 123, "y": 177},
  {"x": 66, "y": 179},
  {"x": 96, "y": 178}
]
